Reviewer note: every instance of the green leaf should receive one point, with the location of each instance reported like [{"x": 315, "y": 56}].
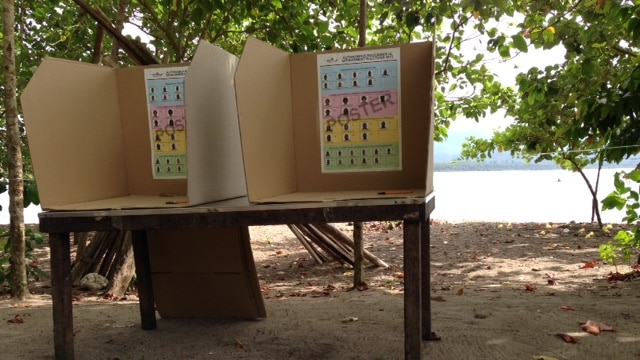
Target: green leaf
[
  {"x": 619, "y": 184},
  {"x": 504, "y": 51},
  {"x": 383, "y": 17},
  {"x": 520, "y": 43},
  {"x": 613, "y": 202},
  {"x": 327, "y": 40},
  {"x": 412, "y": 20},
  {"x": 323, "y": 27},
  {"x": 634, "y": 175}
]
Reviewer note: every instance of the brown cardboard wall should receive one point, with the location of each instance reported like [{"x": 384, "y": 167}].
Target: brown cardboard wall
[
  {"x": 263, "y": 93},
  {"x": 74, "y": 135},
  {"x": 196, "y": 250},
  {"x": 180, "y": 295}
]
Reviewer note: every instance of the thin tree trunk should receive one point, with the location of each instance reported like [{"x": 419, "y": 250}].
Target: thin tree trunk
[
  {"x": 593, "y": 191},
  {"x": 362, "y": 24},
  {"x": 96, "y": 57},
  {"x": 120, "y": 17},
  {"x": 19, "y": 287}
]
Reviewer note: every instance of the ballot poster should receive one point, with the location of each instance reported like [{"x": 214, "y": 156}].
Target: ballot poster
[
  {"x": 167, "y": 121},
  {"x": 359, "y": 109}
]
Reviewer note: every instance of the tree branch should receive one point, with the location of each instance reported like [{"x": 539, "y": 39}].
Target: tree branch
[{"x": 138, "y": 53}]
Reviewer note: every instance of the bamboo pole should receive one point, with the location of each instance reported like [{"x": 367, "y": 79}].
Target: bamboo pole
[{"x": 305, "y": 242}]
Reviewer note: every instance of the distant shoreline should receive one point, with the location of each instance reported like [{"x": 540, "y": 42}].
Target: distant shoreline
[{"x": 459, "y": 166}]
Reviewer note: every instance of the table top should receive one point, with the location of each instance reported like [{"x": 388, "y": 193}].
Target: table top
[{"x": 238, "y": 212}]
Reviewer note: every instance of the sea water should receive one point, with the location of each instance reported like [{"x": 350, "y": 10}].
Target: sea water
[
  {"x": 503, "y": 196},
  {"x": 521, "y": 196}
]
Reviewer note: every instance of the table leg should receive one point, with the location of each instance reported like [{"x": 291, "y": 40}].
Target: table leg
[
  {"x": 412, "y": 289},
  {"x": 358, "y": 256},
  {"x": 61, "y": 286},
  {"x": 143, "y": 274},
  {"x": 426, "y": 279}
]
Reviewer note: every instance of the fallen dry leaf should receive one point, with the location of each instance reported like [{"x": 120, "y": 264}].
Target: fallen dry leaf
[
  {"x": 589, "y": 264},
  {"x": 567, "y": 308},
  {"x": 350, "y": 319},
  {"x": 594, "y": 327},
  {"x": 530, "y": 287},
  {"x": 329, "y": 288},
  {"x": 605, "y": 327},
  {"x": 460, "y": 292},
  {"x": 438, "y": 298},
  {"x": 16, "y": 320},
  {"x": 590, "y": 328},
  {"x": 568, "y": 338},
  {"x": 20, "y": 305},
  {"x": 363, "y": 286}
]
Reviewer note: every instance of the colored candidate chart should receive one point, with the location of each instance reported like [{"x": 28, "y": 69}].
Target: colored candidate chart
[
  {"x": 360, "y": 110},
  {"x": 167, "y": 122}
]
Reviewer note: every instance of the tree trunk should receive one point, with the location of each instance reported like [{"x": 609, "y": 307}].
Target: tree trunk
[
  {"x": 594, "y": 193},
  {"x": 19, "y": 287}
]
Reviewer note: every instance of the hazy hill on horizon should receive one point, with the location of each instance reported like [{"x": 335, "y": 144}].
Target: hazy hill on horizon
[{"x": 446, "y": 153}]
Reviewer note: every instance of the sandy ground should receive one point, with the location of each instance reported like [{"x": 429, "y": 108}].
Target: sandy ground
[{"x": 499, "y": 291}]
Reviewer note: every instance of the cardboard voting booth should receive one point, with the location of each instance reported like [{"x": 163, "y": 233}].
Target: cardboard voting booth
[
  {"x": 137, "y": 137},
  {"x": 338, "y": 125}
]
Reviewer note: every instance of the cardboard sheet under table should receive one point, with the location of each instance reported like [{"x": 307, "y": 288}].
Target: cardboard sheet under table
[{"x": 204, "y": 273}]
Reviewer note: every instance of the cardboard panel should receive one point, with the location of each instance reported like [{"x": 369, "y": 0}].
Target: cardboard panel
[
  {"x": 72, "y": 121},
  {"x": 263, "y": 90},
  {"x": 215, "y": 155},
  {"x": 181, "y": 295},
  {"x": 214, "y": 267},
  {"x": 196, "y": 250}
]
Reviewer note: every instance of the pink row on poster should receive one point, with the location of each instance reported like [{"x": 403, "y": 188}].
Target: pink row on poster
[
  {"x": 366, "y": 105},
  {"x": 163, "y": 116}
]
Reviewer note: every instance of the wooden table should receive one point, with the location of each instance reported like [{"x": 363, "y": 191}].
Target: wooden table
[{"x": 414, "y": 212}]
